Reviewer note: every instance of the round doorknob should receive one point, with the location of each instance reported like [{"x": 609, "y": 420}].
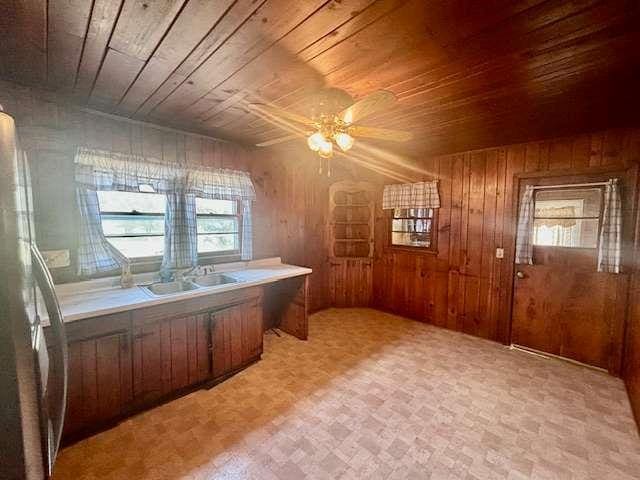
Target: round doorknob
[{"x": 519, "y": 274}]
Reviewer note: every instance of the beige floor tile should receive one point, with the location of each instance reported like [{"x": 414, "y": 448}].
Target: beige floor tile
[{"x": 372, "y": 395}]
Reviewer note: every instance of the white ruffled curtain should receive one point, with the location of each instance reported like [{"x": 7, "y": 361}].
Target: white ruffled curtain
[{"x": 105, "y": 170}]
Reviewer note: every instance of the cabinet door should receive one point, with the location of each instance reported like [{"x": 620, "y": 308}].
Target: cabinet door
[
  {"x": 236, "y": 337},
  {"x": 252, "y": 331},
  {"x": 170, "y": 355},
  {"x": 100, "y": 377}
]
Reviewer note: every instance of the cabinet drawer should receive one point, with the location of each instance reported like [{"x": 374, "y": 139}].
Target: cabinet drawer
[
  {"x": 97, "y": 326},
  {"x": 199, "y": 304}
]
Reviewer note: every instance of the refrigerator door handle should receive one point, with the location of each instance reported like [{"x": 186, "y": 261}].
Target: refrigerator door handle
[{"x": 56, "y": 406}]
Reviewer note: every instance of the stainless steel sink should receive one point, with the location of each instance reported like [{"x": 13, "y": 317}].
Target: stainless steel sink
[
  {"x": 171, "y": 287},
  {"x": 213, "y": 279}
]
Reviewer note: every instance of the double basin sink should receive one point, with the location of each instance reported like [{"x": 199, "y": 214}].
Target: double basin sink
[{"x": 202, "y": 281}]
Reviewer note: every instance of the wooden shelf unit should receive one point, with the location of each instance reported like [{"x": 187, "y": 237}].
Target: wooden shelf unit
[{"x": 351, "y": 219}]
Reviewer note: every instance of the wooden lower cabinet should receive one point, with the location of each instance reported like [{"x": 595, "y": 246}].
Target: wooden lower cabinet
[
  {"x": 125, "y": 362},
  {"x": 99, "y": 387},
  {"x": 170, "y": 355},
  {"x": 236, "y": 334}
]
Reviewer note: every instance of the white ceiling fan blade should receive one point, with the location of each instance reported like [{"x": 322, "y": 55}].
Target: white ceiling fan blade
[
  {"x": 366, "y": 106},
  {"x": 275, "y": 141},
  {"x": 380, "y": 133}
]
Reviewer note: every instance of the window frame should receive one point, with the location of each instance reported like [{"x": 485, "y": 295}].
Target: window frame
[
  {"x": 542, "y": 188},
  {"x": 225, "y": 253},
  {"x": 432, "y": 249},
  {"x": 133, "y": 213},
  {"x": 207, "y": 257}
]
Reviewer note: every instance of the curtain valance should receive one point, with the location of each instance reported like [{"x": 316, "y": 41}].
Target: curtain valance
[
  {"x": 411, "y": 195},
  {"x": 105, "y": 170}
]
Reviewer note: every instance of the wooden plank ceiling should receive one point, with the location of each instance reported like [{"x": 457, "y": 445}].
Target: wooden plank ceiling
[{"x": 467, "y": 73}]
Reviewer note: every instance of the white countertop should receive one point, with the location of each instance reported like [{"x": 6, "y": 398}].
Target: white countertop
[{"x": 100, "y": 297}]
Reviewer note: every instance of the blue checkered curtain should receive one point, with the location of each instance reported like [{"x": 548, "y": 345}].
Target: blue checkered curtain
[
  {"x": 411, "y": 195},
  {"x": 180, "y": 232},
  {"x": 104, "y": 170},
  {"x": 95, "y": 253},
  {"x": 182, "y": 183},
  {"x": 247, "y": 232},
  {"x": 609, "y": 245},
  {"x": 524, "y": 232}
]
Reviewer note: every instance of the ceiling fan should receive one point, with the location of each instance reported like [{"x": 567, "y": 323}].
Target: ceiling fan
[{"x": 333, "y": 120}]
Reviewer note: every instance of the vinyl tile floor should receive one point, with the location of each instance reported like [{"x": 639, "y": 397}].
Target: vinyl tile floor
[{"x": 372, "y": 395}]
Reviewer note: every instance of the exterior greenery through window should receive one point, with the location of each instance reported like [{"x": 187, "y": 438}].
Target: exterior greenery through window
[
  {"x": 412, "y": 227},
  {"x": 134, "y": 224}
]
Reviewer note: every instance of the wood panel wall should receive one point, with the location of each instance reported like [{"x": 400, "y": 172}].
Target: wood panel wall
[
  {"x": 464, "y": 286},
  {"x": 631, "y": 363},
  {"x": 461, "y": 287},
  {"x": 50, "y": 130}
]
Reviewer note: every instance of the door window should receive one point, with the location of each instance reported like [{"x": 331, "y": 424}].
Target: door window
[{"x": 567, "y": 217}]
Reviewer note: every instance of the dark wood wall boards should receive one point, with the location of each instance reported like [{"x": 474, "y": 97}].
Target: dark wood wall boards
[
  {"x": 50, "y": 130},
  {"x": 467, "y": 74},
  {"x": 464, "y": 286},
  {"x": 631, "y": 361}
]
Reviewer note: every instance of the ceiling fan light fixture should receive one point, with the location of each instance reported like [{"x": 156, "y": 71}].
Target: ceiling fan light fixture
[
  {"x": 344, "y": 141},
  {"x": 326, "y": 149},
  {"x": 315, "y": 141}
]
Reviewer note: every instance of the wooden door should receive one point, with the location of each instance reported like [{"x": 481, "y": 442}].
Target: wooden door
[
  {"x": 170, "y": 355},
  {"x": 99, "y": 387},
  {"x": 236, "y": 337},
  {"x": 561, "y": 304},
  {"x": 351, "y": 242}
]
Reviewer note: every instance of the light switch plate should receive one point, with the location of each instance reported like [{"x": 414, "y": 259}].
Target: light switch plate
[
  {"x": 499, "y": 252},
  {"x": 56, "y": 258}
]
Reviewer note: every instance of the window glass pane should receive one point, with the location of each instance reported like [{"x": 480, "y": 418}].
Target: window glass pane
[
  {"x": 560, "y": 232},
  {"x": 132, "y": 224},
  {"x": 412, "y": 227},
  {"x": 136, "y": 247},
  {"x": 419, "y": 225},
  {"x": 413, "y": 213},
  {"x": 567, "y": 217},
  {"x": 218, "y": 242},
  {"x": 219, "y": 207},
  {"x": 129, "y": 202},
  {"x": 559, "y": 203},
  {"x": 410, "y": 239},
  {"x": 217, "y": 225}
]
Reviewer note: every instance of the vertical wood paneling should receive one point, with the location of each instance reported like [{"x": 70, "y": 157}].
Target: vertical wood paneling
[
  {"x": 478, "y": 215},
  {"x": 99, "y": 381},
  {"x": 50, "y": 130}
]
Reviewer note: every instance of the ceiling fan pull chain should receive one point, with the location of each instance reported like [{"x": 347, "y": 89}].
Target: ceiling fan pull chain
[
  {"x": 328, "y": 167},
  {"x": 319, "y": 165}
]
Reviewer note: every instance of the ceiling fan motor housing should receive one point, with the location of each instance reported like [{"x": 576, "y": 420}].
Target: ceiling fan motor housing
[{"x": 329, "y": 102}]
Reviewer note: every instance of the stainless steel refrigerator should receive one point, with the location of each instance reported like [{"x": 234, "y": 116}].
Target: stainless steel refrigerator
[{"x": 33, "y": 369}]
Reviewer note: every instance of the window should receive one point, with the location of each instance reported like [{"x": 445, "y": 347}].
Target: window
[
  {"x": 133, "y": 222},
  {"x": 567, "y": 217},
  {"x": 218, "y": 226},
  {"x": 412, "y": 227}
]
